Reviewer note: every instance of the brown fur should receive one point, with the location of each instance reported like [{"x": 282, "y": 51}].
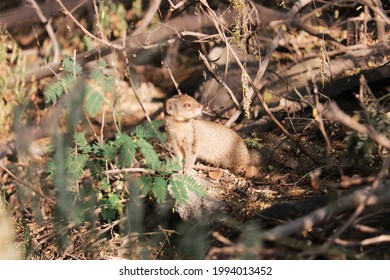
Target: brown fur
[{"x": 193, "y": 139}]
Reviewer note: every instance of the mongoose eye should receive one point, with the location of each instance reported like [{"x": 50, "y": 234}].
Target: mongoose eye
[{"x": 187, "y": 105}]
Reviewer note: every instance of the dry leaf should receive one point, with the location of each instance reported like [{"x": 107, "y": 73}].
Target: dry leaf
[{"x": 215, "y": 174}]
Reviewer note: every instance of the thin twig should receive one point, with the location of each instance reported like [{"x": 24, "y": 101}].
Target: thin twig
[
  {"x": 275, "y": 42},
  {"x": 172, "y": 77},
  {"x": 320, "y": 120},
  {"x": 221, "y": 82},
  {"x": 129, "y": 170},
  {"x": 174, "y": 7},
  {"x": 147, "y": 18},
  {"x": 321, "y": 215},
  {"x": 49, "y": 30},
  {"x": 38, "y": 192},
  {"x": 361, "y": 206},
  {"x": 369, "y": 241},
  {"x": 86, "y": 32},
  {"x": 378, "y": 10},
  {"x": 222, "y": 238},
  {"x": 99, "y": 27},
  {"x": 336, "y": 114},
  {"x": 149, "y": 15}
]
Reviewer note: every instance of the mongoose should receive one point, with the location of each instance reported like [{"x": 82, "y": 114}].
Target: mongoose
[{"x": 193, "y": 139}]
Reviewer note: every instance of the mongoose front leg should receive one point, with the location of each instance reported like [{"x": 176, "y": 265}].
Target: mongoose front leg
[
  {"x": 190, "y": 155},
  {"x": 176, "y": 149},
  {"x": 189, "y": 162}
]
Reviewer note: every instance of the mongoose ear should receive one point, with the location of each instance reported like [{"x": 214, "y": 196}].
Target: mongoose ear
[{"x": 170, "y": 106}]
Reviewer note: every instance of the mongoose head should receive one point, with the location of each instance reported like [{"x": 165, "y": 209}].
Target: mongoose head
[{"x": 183, "y": 107}]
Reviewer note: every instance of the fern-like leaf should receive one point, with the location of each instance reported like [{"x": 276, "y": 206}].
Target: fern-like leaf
[
  {"x": 182, "y": 184},
  {"x": 81, "y": 142},
  {"x": 179, "y": 192},
  {"x": 109, "y": 150},
  {"x": 93, "y": 103},
  {"x": 160, "y": 189},
  {"x": 127, "y": 150},
  {"x": 192, "y": 185},
  {"x": 110, "y": 206},
  {"x": 53, "y": 91},
  {"x": 151, "y": 130},
  {"x": 75, "y": 165},
  {"x": 97, "y": 76},
  {"x": 145, "y": 184},
  {"x": 149, "y": 153},
  {"x": 71, "y": 67},
  {"x": 102, "y": 63},
  {"x": 115, "y": 201},
  {"x": 68, "y": 81},
  {"x": 108, "y": 84},
  {"x": 104, "y": 185},
  {"x": 170, "y": 166}
]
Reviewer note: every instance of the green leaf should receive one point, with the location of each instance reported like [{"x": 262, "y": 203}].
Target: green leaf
[
  {"x": 108, "y": 213},
  {"x": 75, "y": 165},
  {"x": 110, "y": 206},
  {"x": 145, "y": 184},
  {"x": 71, "y": 67},
  {"x": 127, "y": 151},
  {"x": 170, "y": 166},
  {"x": 108, "y": 84},
  {"x": 182, "y": 184},
  {"x": 114, "y": 201},
  {"x": 68, "y": 81},
  {"x": 104, "y": 185},
  {"x": 53, "y": 91},
  {"x": 193, "y": 186},
  {"x": 87, "y": 89},
  {"x": 93, "y": 103},
  {"x": 151, "y": 130},
  {"x": 97, "y": 76},
  {"x": 81, "y": 142},
  {"x": 51, "y": 169},
  {"x": 178, "y": 190},
  {"x": 89, "y": 44},
  {"x": 110, "y": 151},
  {"x": 160, "y": 189},
  {"x": 149, "y": 153},
  {"x": 102, "y": 63}
]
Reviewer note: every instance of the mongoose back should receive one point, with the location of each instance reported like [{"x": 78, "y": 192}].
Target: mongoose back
[{"x": 193, "y": 139}]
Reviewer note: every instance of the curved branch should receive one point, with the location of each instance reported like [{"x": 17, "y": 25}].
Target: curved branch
[{"x": 305, "y": 223}]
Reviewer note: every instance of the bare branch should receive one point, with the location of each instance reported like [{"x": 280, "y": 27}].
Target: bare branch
[
  {"x": 222, "y": 83},
  {"x": 86, "y": 32},
  {"x": 336, "y": 114},
  {"x": 148, "y": 17},
  {"x": 38, "y": 192},
  {"x": 49, "y": 29},
  {"x": 369, "y": 241},
  {"x": 129, "y": 170},
  {"x": 381, "y": 195},
  {"x": 374, "y": 5}
]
